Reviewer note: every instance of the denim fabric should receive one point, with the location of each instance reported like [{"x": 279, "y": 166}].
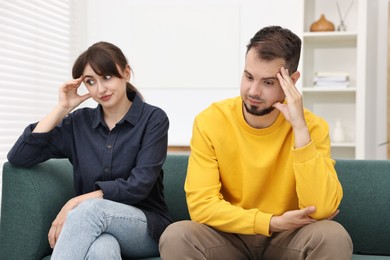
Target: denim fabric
[{"x": 103, "y": 229}]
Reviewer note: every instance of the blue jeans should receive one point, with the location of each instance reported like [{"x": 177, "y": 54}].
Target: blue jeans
[{"x": 104, "y": 229}]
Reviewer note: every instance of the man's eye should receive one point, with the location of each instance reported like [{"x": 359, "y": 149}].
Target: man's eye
[
  {"x": 268, "y": 83},
  {"x": 249, "y": 77},
  {"x": 107, "y": 76},
  {"x": 90, "y": 82}
]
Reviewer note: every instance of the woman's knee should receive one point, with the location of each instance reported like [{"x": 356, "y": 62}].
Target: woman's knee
[
  {"x": 85, "y": 210},
  {"x": 104, "y": 247}
]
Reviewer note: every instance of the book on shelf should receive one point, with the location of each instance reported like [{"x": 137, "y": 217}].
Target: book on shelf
[{"x": 331, "y": 79}]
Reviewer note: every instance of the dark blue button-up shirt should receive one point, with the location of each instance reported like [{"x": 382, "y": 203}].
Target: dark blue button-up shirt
[{"x": 125, "y": 163}]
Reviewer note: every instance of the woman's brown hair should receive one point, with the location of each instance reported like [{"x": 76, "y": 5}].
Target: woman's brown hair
[{"x": 103, "y": 57}]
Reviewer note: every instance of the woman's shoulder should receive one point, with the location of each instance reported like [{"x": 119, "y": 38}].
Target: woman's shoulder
[{"x": 154, "y": 110}]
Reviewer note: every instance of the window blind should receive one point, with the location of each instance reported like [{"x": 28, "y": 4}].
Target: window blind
[{"x": 37, "y": 42}]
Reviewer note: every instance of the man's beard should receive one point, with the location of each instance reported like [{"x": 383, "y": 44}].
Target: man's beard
[{"x": 253, "y": 110}]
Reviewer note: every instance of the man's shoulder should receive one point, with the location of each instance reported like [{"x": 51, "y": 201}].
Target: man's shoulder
[
  {"x": 313, "y": 119},
  {"x": 220, "y": 107}
]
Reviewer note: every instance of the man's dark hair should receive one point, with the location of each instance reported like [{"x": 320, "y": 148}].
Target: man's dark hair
[{"x": 274, "y": 42}]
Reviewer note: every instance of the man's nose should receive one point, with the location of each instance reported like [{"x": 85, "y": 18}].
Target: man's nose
[{"x": 255, "y": 90}]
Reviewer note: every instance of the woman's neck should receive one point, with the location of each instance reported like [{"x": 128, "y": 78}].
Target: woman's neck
[{"x": 113, "y": 115}]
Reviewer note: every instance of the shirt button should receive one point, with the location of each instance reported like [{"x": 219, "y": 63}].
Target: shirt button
[
  {"x": 106, "y": 170},
  {"x": 109, "y": 146}
]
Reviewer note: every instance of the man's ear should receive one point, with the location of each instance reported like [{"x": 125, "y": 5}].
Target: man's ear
[{"x": 295, "y": 76}]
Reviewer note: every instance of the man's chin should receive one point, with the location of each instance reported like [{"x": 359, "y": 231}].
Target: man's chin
[{"x": 258, "y": 112}]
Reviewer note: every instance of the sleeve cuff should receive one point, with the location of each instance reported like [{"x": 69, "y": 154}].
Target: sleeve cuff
[
  {"x": 305, "y": 153},
  {"x": 35, "y": 138},
  {"x": 262, "y": 222}
]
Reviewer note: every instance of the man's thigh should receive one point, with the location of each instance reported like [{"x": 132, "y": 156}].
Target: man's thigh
[
  {"x": 324, "y": 239},
  {"x": 191, "y": 240}
]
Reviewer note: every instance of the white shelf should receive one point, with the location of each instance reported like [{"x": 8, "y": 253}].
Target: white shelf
[
  {"x": 329, "y": 89},
  {"x": 345, "y": 145},
  {"x": 332, "y": 52},
  {"x": 355, "y": 52},
  {"x": 329, "y": 37}
]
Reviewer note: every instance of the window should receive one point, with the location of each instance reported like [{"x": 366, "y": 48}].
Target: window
[{"x": 38, "y": 43}]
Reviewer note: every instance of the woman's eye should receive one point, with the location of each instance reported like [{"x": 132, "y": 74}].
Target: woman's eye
[
  {"x": 90, "y": 82},
  {"x": 107, "y": 76}
]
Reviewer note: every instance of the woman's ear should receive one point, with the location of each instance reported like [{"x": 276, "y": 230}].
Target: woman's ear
[{"x": 127, "y": 73}]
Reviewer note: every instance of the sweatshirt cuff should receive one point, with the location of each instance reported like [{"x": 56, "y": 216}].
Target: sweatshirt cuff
[
  {"x": 262, "y": 222},
  {"x": 305, "y": 153}
]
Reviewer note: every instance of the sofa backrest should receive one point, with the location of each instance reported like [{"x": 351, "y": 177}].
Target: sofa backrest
[
  {"x": 365, "y": 208},
  {"x": 175, "y": 170}
]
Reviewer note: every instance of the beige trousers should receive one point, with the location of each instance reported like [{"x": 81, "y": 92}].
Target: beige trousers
[{"x": 324, "y": 239}]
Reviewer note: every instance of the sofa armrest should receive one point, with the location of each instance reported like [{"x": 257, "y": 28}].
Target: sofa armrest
[
  {"x": 31, "y": 199},
  {"x": 365, "y": 207}
]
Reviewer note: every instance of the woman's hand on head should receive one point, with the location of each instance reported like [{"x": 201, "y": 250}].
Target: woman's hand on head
[{"x": 68, "y": 96}]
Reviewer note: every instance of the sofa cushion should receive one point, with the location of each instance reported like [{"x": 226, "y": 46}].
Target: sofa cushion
[{"x": 365, "y": 207}]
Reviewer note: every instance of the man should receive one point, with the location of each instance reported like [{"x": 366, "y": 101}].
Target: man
[{"x": 260, "y": 182}]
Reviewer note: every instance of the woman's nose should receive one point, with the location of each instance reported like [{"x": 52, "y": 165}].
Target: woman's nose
[{"x": 101, "y": 87}]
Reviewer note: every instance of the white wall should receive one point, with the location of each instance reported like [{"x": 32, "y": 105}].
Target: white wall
[
  {"x": 186, "y": 54},
  {"x": 381, "y": 92}
]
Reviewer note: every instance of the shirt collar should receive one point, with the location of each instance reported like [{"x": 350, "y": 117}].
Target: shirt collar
[{"x": 132, "y": 116}]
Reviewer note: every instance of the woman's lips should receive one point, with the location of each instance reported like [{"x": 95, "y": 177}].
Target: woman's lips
[{"x": 105, "y": 98}]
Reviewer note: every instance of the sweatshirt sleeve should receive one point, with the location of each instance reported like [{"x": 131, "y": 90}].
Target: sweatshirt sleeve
[
  {"x": 316, "y": 178},
  {"x": 204, "y": 198}
]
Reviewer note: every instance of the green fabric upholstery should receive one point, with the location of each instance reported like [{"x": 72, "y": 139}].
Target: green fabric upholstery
[
  {"x": 32, "y": 198},
  {"x": 365, "y": 208},
  {"x": 175, "y": 169}
]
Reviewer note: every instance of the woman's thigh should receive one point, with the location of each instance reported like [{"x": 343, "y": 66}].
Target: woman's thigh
[{"x": 126, "y": 223}]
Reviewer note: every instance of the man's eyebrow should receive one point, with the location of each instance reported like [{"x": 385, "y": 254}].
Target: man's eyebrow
[
  {"x": 264, "y": 78},
  {"x": 269, "y": 78},
  {"x": 247, "y": 72}
]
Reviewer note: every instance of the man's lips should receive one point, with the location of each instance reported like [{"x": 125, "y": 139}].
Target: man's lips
[{"x": 254, "y": 102}]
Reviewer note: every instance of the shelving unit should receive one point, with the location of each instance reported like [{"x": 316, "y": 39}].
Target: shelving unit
[{"x": 336, "y": 52}]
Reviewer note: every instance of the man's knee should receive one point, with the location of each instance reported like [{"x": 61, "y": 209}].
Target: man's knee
[
  {"x": 331, "y": 236},
  {"x": 177, "y": 232},
  {"x": 181, "y": 239},
  {"x": 331, "y": 231}
]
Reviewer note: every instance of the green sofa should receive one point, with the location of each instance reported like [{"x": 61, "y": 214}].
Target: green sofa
[{"x": 32, "y": 197}]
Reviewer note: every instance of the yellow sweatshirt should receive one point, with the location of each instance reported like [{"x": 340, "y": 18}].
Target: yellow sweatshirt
[{"x": 239, "y": 176}]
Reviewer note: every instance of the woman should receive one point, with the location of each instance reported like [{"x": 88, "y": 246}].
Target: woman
[{"x": 117, "y": 151}]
